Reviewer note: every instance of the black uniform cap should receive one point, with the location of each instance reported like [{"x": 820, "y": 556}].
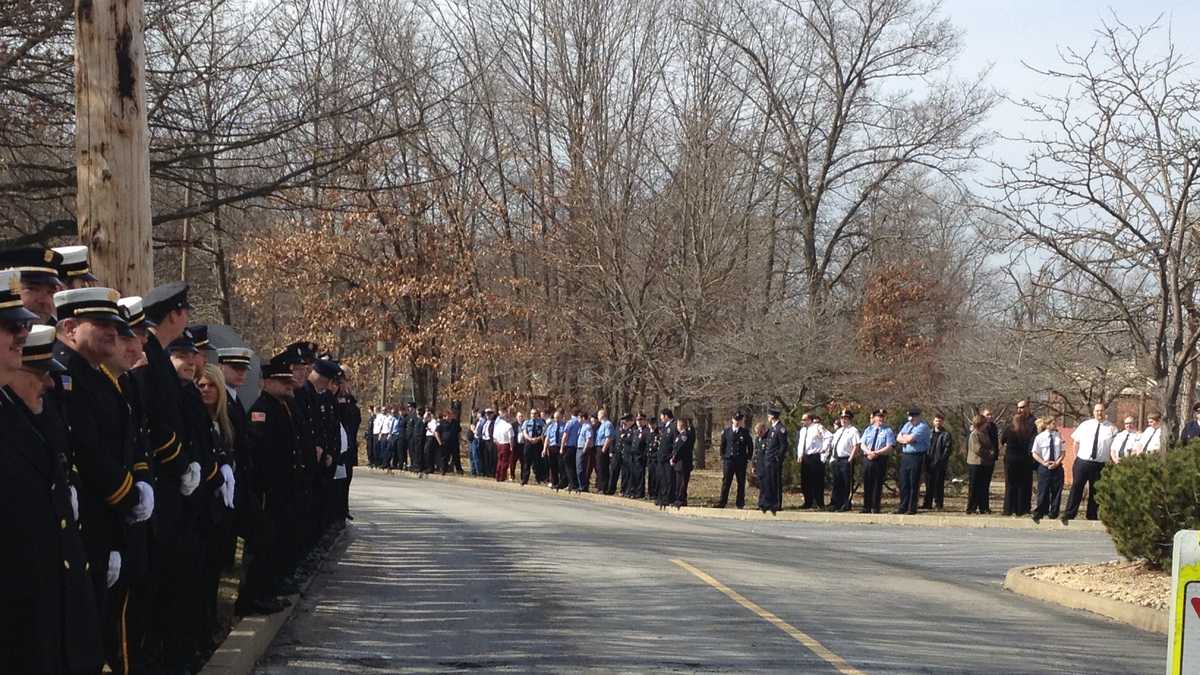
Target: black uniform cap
[
  {"x": 184, "y": 343},
  {"x": 162, "y": 300},
  {"x": 305, "y": 351},
  {"x": 327, "y": 368},
  {"x": 36, "y": 265},
  {"x": 200, "y": 336},
  {"x": 272, "y": 369}
]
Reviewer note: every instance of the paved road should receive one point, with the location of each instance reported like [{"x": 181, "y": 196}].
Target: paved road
[{"x": 449, "y": 577}]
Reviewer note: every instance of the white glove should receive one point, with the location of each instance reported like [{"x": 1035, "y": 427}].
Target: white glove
[
  {"x": 74, "y": 501},
  {"x": 114, "y": 568},
  {"x": 145, "y": 506},
  {"x": 228, "y": 486},
  {"x": 190, "y": 479}
]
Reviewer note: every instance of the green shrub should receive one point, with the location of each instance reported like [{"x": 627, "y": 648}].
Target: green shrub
[{"x": 1145, "y": 499}]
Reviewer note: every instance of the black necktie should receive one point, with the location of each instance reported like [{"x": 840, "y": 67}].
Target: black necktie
[
  {"x": 1096, "y": 442},
  {"x": 1120, "y": 450}
]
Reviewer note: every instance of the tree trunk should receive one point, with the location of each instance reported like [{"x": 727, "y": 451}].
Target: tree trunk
[{"x": 113, "y": 200}]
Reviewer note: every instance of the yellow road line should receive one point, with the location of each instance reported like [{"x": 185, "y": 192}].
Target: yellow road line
[{"x": 800, "y": 636}]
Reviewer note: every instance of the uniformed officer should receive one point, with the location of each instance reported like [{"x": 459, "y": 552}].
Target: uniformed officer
[
  {"x": 842, "y": 451},
  {"x": 736, "y": 448},
  {"x": 643, "y": 444},
  {"x": 770, "y": 465},
  {"x": 617, "y": 465},
  {"x": 664, "y": 474},
  {"x": 39, "y": 278},
  {"x": 49, "y": 622},
  {"x": 682, "y": 450},
  {"x": 350, "y": 418},
  {"x": 74, "y": 272},
  {"x": 103, "y": 441},
  {"x": 167, "y": 312},
  {"x": 876, "y": 444},
  {"x": 275, "y": 440},
  {"x": 326, "y": 433}
]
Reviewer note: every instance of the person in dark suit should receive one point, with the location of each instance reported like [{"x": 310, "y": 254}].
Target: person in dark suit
[
  {"x": 665, "y": 474},
  {"x": 49, "y": 622},
  {"x": 350, "y": 418},
  {"x": 682, "y": 450},
  {"x": 736, "y": 448},
  {"x": 1191, "y": 430},
  {"x": 941, "y": 447},
  {"x": 1017, "y": 442},
  {"x": 770, "y": 465}
]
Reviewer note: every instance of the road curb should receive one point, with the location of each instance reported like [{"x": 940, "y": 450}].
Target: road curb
[
  {"x": 821, "y": 517},
  {"x": 252, "y": 636},
  {"x": 1143, "y": 618}
]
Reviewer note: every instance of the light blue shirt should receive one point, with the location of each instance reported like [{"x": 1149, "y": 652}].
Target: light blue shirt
[
  {"x": 585, "y": 435},
  {"x": 571, "y": 431},
  {"x": 604, "y": 433},
  {"x": 922, "y": 436},
  {"x": 877, "y": 439},
  {"x": 554, "y": 433}
]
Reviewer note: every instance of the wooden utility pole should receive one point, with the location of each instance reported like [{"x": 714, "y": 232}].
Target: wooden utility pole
[{"x": 112, "y": 145}]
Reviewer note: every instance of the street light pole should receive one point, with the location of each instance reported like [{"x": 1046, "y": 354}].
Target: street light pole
[{"x": 385, "y": 348}]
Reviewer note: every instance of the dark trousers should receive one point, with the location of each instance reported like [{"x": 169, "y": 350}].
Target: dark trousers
[
  {"x": 554, "y": 466},
  {"x": 651, "y": 464},
  {"x": 935, "y": 483},
  {"x": 616, "y": 467},
  {"x": 530, "y": 453},
  {"x": 843, "y": 473},
  {"x": 636, "y": 486},
  {"x": 488, "y": 448},
  {"x": 979, "y": 483},
  {"x": 910, "y": 480},
  {"x": 680, "y": 490},
  {"x": 604, "y": 465},
  {"x": 1084, "y": 472},
  {"x": 371, "y": 458},
  {"x": 454, "y": 457},
  {"x": 812, "y": 481},
  {"x": 874, "y": 471},
  {"x": 567, "y": 469},
  {"x": 733, "y": 468},
  {"x": 1018, "y": 485},
  {"x": 1050, "y": 486}
]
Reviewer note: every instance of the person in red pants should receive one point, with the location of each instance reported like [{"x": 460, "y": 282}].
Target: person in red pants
[{"x": 502, "y": 436}]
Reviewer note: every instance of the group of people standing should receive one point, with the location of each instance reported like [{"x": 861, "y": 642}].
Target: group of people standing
[
  {"x": 413, "y": 439},
  {"x": 134, "y": 465}
]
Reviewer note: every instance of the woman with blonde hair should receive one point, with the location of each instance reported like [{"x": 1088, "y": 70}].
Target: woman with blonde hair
[
  {"x": 1048, "y": 452},
  {"x": 222, "y": 539}
]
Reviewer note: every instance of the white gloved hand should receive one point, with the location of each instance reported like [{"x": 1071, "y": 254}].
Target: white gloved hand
[
  {"x": 190, "y": 479},
  {"x": 114, "y": 568},
  {"x": 74, "y": 501},
  {"x": 227, "y": 488},
  {"x": 145, "y": 506}
]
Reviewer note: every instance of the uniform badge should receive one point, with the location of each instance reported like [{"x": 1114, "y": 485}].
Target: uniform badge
[{"x": 258, "y": 417}]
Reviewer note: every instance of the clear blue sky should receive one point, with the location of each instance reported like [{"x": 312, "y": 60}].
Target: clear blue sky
[{"x": 1003, "y": 33}]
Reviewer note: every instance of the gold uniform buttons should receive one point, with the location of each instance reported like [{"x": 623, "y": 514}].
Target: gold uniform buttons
[
  {"x": 62, "y": 524},
  {"x": 66, "y": 564}
]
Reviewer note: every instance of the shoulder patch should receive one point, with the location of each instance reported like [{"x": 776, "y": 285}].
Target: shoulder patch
[
  {"x": 258, "y": 417},
  {"x": 66, "y": 382}
]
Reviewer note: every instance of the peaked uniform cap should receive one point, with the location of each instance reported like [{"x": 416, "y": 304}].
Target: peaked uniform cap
[
  {"x": 37, "y": 265},
  {"x": 11, "y": 306},
  {"x": 162, "y": 300},
  {"x": 235, "y": 356},
  {"x": 94, "y": 304},
  {"x": 133, "y": 311},
  {"x": 74, "y": 263},
  {"x": 38, "y": 352}
]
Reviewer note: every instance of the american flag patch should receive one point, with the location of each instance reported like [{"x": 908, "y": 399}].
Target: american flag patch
[
  {"x": 66, "y": 382},
  {"x": 258, "y": 417}
]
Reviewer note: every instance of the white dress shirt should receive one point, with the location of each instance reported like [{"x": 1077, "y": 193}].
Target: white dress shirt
[
  {"x": 1123, "y": 445},
  {"x": 383, "y": 425},
  {"x": 813, "y": 440},
  {"x": 502, "y": 432},
  {"x": 1048, "y": 445},
  {"x": 1086, "y": 433},
  {"x": 1150, "y": 440},
  {"x": 844, "y": 441},
  {"x": 431, "y": 427}
]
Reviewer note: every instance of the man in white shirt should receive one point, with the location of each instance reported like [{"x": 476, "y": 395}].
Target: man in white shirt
[
  {"x": 383, "y": 441},
  {"x": 1093, "y": 444},
  {"x": 811, "y": 446},
  {"x": 1125, "y": 442},
  {"x": 502, "y": 437},
  {"x": 843, "y": 447},
  {"x": 1151, "y": 438}
]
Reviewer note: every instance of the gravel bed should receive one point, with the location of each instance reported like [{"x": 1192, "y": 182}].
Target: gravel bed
[{"x": 1130, "y": 582}]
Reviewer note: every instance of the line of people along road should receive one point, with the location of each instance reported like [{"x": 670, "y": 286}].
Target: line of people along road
[
  {"x": 134, "y": 465},
  {"x": 637, "y": 459}
]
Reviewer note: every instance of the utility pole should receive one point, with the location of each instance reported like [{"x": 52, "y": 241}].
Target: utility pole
[{"x": 112, "y": 146}]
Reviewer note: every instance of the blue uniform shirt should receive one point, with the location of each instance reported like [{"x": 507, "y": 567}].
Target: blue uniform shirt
[
  {"x": 922, "y": 436},
  {"x": 532, "y": 428},
  {"x": 885, "y": 438},
  {"x": 571, "y": 431},
  {"x": 604, "y": 433},
  {"x": 554, "y": 433},
  {"x": 585, "y": 434}
]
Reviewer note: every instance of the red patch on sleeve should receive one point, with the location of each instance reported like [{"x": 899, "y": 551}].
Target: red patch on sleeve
[{"x": 258, "y": 417}]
